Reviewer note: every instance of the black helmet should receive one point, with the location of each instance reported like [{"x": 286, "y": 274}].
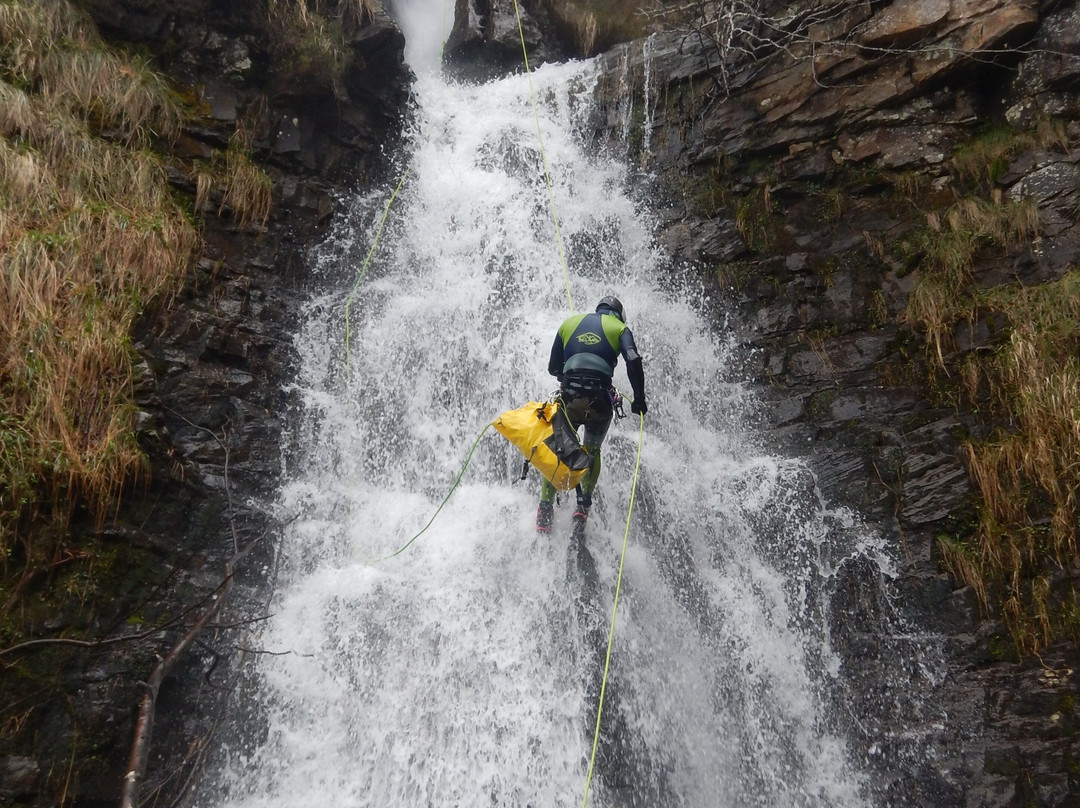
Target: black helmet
[{"x": 611, "y": 304}]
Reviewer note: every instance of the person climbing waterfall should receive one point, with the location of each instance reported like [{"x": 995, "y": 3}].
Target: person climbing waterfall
[{"x": 583, "y": 358}]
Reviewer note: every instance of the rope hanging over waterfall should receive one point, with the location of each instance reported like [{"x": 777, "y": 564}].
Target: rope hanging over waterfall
[
  {"x": 614, "y": 611},
  {"x": 450, "y": 493},
  {"x": 641, "y": 425},
  {"x": 543, "y": 159},
  {"x": 367, "y": 262}
]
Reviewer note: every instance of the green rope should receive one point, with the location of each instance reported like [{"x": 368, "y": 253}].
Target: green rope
[
  {"x": 367, "y": 261},
  {"x": 457, "y": 481},
  {"x": 614, "y": 611},
  {"x": 543, "y": 157}
]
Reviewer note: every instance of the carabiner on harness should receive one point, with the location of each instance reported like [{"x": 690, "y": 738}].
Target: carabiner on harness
[{"x": 616, "y": 404}]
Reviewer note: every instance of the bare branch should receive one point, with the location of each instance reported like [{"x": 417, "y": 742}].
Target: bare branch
[
  {"x": 221, "y": 441},
  {"x": 144, "y": 726},
  {"x": 142, "y": 635}
]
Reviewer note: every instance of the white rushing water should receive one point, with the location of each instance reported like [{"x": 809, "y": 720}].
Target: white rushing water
[{"x": 463, "y": 671}]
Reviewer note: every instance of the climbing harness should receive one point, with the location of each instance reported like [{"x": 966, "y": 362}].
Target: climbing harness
[{"x": 617, "y": 404}]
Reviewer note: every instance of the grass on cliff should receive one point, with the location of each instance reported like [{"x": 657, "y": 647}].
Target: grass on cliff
[
  {"x": 245, "y": 189},
  {"x": 1020, "y": 558},
  {"x": 310, "y": 36},
  {"x": 89, "y": 233},
  {"x": 948, "y": 247},
  {"x": 592, "y": 26},
  {"x": 1028, "y": 473}
]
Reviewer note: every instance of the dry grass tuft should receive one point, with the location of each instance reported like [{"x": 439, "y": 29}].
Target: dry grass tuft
[
  {"x": 964, "y": 565},
  {"x": 242, "y": 188},
  {"x": 909, "y": 184},
  {"x": 16, "y": 111},
  {"x": 1029, "y": 476},
  {"x": 311, "y": 36},
  {"x": 121, "y": 97},
  {"x": 984, "y": 160},
  {"x": 355, "y": 14},
  {"x": 1028, "y": 473},
  {"x": 948, "y": 252},
  {"x": 248, "y": 190},
  {"x": 90, "y": 235},
  {"x": 595, "y": 25},
  {"x": 933, "y": 306}
]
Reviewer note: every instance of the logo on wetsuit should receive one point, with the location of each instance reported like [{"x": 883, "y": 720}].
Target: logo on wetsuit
[{"x": 588, "y": 338}]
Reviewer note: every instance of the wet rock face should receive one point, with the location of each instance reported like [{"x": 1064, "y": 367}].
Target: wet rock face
[
  {"x": 486, "y": 40},
  {"x": 851, "y": 75},
  {"x": 784, "y": 173},
  {"x": 244, "y": 67},
  {"x": 209, "y": 387}
]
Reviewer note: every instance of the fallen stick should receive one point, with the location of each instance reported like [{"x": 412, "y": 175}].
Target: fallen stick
[{"x": 144, "y": 727}]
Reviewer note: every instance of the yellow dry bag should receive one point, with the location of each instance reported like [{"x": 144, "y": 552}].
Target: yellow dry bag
[{"x": 542, "y": 433}]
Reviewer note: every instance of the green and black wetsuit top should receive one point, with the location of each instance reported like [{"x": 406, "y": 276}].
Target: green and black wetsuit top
[{"x": 587, "y": 348}]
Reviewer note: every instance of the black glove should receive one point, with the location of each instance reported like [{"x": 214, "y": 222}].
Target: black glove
[{"x": 638, "y": 406}]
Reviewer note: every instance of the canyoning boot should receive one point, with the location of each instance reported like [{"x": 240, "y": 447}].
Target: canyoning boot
[
  {"x": 581, "y": 511},
  {"x": 544, "y": 514}
]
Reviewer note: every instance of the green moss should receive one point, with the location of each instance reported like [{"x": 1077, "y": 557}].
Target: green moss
[
  {"x": 1072, "y": 764},
  {"x": 1066, "y": 703},
  {"x": 757, "y": 218},
  {"x": 734, "y": 274},
  {"x": 1002, "y": 763},
  {"x": 903, "y": 363},
  {"x": 1001, "y": 648},
  {"x": 831, "y": 204},
  {"x": 712, "y": 190},
  {"x": 985, "y": 158},
  {"x": 819, "y": 407}
]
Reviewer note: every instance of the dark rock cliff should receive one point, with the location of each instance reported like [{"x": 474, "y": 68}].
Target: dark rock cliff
[
  {"x": 787, "y": 160},
  {"x": 210, "y": 392}
]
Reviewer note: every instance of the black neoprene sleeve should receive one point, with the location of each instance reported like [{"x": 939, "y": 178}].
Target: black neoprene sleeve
[{"x": 636, "y": 375}]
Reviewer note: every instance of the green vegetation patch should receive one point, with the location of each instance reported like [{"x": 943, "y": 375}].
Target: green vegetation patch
[
  {"x": 92, "y": 234},
  {"x": 89, "y": 233},
  {"x": 1027, "y": 381},
  {"x": 309, "y": 37},
  {"x": 1029, "y": 472}
]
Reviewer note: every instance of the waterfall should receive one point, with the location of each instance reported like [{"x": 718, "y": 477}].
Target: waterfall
[
  {"x": 647, "y": 101},
  {"x": 464, "y": 670}
]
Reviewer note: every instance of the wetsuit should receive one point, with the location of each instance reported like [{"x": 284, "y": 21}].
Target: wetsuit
[{"x": 584, "y": 355}]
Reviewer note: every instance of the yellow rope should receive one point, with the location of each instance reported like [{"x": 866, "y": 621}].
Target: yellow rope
[
  {"x": 641, "y": 425},
  {"x": 543, "y": 157},
  {"x": 614, "y": 611},
  {"x": 367, "y": 261}
]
